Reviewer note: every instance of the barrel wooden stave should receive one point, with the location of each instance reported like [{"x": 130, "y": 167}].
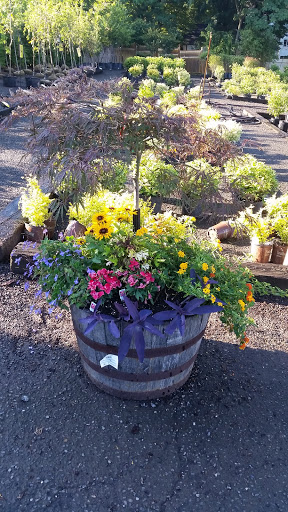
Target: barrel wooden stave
[{"x": 156, "y": 376}]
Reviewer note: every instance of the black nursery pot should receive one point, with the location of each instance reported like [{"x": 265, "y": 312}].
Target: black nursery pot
[
  {"x": 32, "y": 81},
  {"x": 10, "y": 81},
  {"x": 283, "y": 125}
]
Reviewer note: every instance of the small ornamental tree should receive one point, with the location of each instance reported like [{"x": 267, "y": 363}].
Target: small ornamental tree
[{"x": 81, "y": 122}]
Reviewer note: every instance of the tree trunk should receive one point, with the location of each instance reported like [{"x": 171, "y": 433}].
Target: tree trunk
[{"x": 136, "y": 216}]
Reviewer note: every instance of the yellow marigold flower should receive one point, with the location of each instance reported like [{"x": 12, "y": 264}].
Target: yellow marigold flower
[
  {"x": 213, "y": 269},
  {"x": 141, "y": 231},
  {"x": 219, "y": 304},
  {"x": 181, "y": 254},
  {"x": 99, "y": 218},
  {"x": 206, "y": 290},
  {"x": 184, "y": 265},
  {"x": 176, "y": 240},
  {"x": 242, "y": 304},
  {"x": 205, "y": 267},
  {"x": 213, "y": 298},
  {"x": 218, "y": 289},
  {"x": 205, "y": 279},
  {"x": 193, "y": 219},
  {"x": 181, "y": 271},
  {"x": 159, "y": 231},
  {"x": 103, "y": 231}
]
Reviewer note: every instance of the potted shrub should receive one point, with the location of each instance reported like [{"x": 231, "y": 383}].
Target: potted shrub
[
  {"x": 34, "y": 206},
  {"x": 251, "y": 178},
  {"x": 277, "y": 103},
  {"x": 157, "y": 180},
  {"x": 199, "y": 183},
  {"x": 136, "y": 71},
  {"x": 153, "y": 73},
  {"x": 261, "y": 243},
  {"x": 280, "y": 246},
  {"x": 169, "y": 76}
]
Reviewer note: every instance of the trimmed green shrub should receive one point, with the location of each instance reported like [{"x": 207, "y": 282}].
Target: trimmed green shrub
[
  {"x": 136, "y": 70},
  {"x": 153, "y": 73},
  {"x": 183, "y": 77},
  {"x": 169, "y": 76},
  {"x": 251, "y": 178}
]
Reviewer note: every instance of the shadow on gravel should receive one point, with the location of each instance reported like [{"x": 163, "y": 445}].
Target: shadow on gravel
[{"x": 219, "y": 444}]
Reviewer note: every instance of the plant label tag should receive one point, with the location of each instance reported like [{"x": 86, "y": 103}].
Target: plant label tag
[
  {"x": 92, "y": 307},
  {"x": 109, "y": 359},
  {"x": 122, "y": 294}
]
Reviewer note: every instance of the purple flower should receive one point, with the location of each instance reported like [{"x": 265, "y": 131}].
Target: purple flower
[
  {"x": 70, "y": 292},
  {"x": 55, "y": 278},
  {"x": 76, "y": 280},
  {"x": 26, "y": 286},
  {"x": 61, "y": 236},
  {"x": 46, "y": 295},
  {"x": 50, "y": 311},
  {"x": 37, "y": 294},
  {"x": 17, "y": 260}
]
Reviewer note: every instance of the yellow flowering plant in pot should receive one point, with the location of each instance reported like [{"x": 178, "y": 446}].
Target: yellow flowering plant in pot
[{"x": 34, "y": 206}]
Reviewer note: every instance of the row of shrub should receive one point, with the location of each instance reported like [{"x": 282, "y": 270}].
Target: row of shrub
[
  {"x": 263, "y": 82},
  {"x": 171, "y": 71}
]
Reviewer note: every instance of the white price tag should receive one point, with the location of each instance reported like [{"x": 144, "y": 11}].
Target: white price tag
[
  {"x": 92, "y": 307},
  {"x": 109, "y": 359},
  {"x": 122, "y": 294}
]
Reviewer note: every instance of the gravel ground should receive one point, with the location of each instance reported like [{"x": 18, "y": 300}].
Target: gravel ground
[{"x": 219, "y": 444}]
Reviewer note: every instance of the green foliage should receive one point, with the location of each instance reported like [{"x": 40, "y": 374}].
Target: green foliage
[
  {"x": 156, "y": 177},
  {"x": 219, "y": 73},
  {"x": 169, "y": 76},
  {"x": 281, "y": 228},
  {"x": 251, "y": 178},
  {"x": 153, "y": 73},
  {"x": 278, "y": 100},
  {"x": 214, "y": 61},
  {"x": 199, "y": 181},
  {"x": 183, "y": 77},
  {"x": 34, "y": 203},
  {"x": 136, "y": 70}
]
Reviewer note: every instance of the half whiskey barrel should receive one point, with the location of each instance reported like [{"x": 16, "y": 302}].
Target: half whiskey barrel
[{"x": 166, "y": 367}]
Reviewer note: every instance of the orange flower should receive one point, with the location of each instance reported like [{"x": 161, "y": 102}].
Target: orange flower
[
  {"x": 242, "y": 346},
  {"x": 249, "y": 297},
  {"x": 212, "y": 275},
  {"x": 249, "y": 285}
]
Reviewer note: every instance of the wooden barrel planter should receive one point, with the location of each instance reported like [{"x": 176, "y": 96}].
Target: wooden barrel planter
[{"x": 166, "y": 367}]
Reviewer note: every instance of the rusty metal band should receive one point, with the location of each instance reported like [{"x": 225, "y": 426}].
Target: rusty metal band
[
  {"x": 140, "y": 395},
  {"x": 139, "y": 377},
  {"x": 149, "y": 352}
]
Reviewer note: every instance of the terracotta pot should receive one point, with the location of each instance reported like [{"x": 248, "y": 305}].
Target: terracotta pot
[
  {"x": 222, "y": 231},
  {"x": 280, "y": 254},
  {"x": 50, "y": 225},
  {"x": 34, "y": 233},
  {"x": 261, "y": 253}
]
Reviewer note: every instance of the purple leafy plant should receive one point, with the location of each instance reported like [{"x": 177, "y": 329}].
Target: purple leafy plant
[
  {"x": 135, "y": 329},
  {"x": 178, "y": 313}
]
